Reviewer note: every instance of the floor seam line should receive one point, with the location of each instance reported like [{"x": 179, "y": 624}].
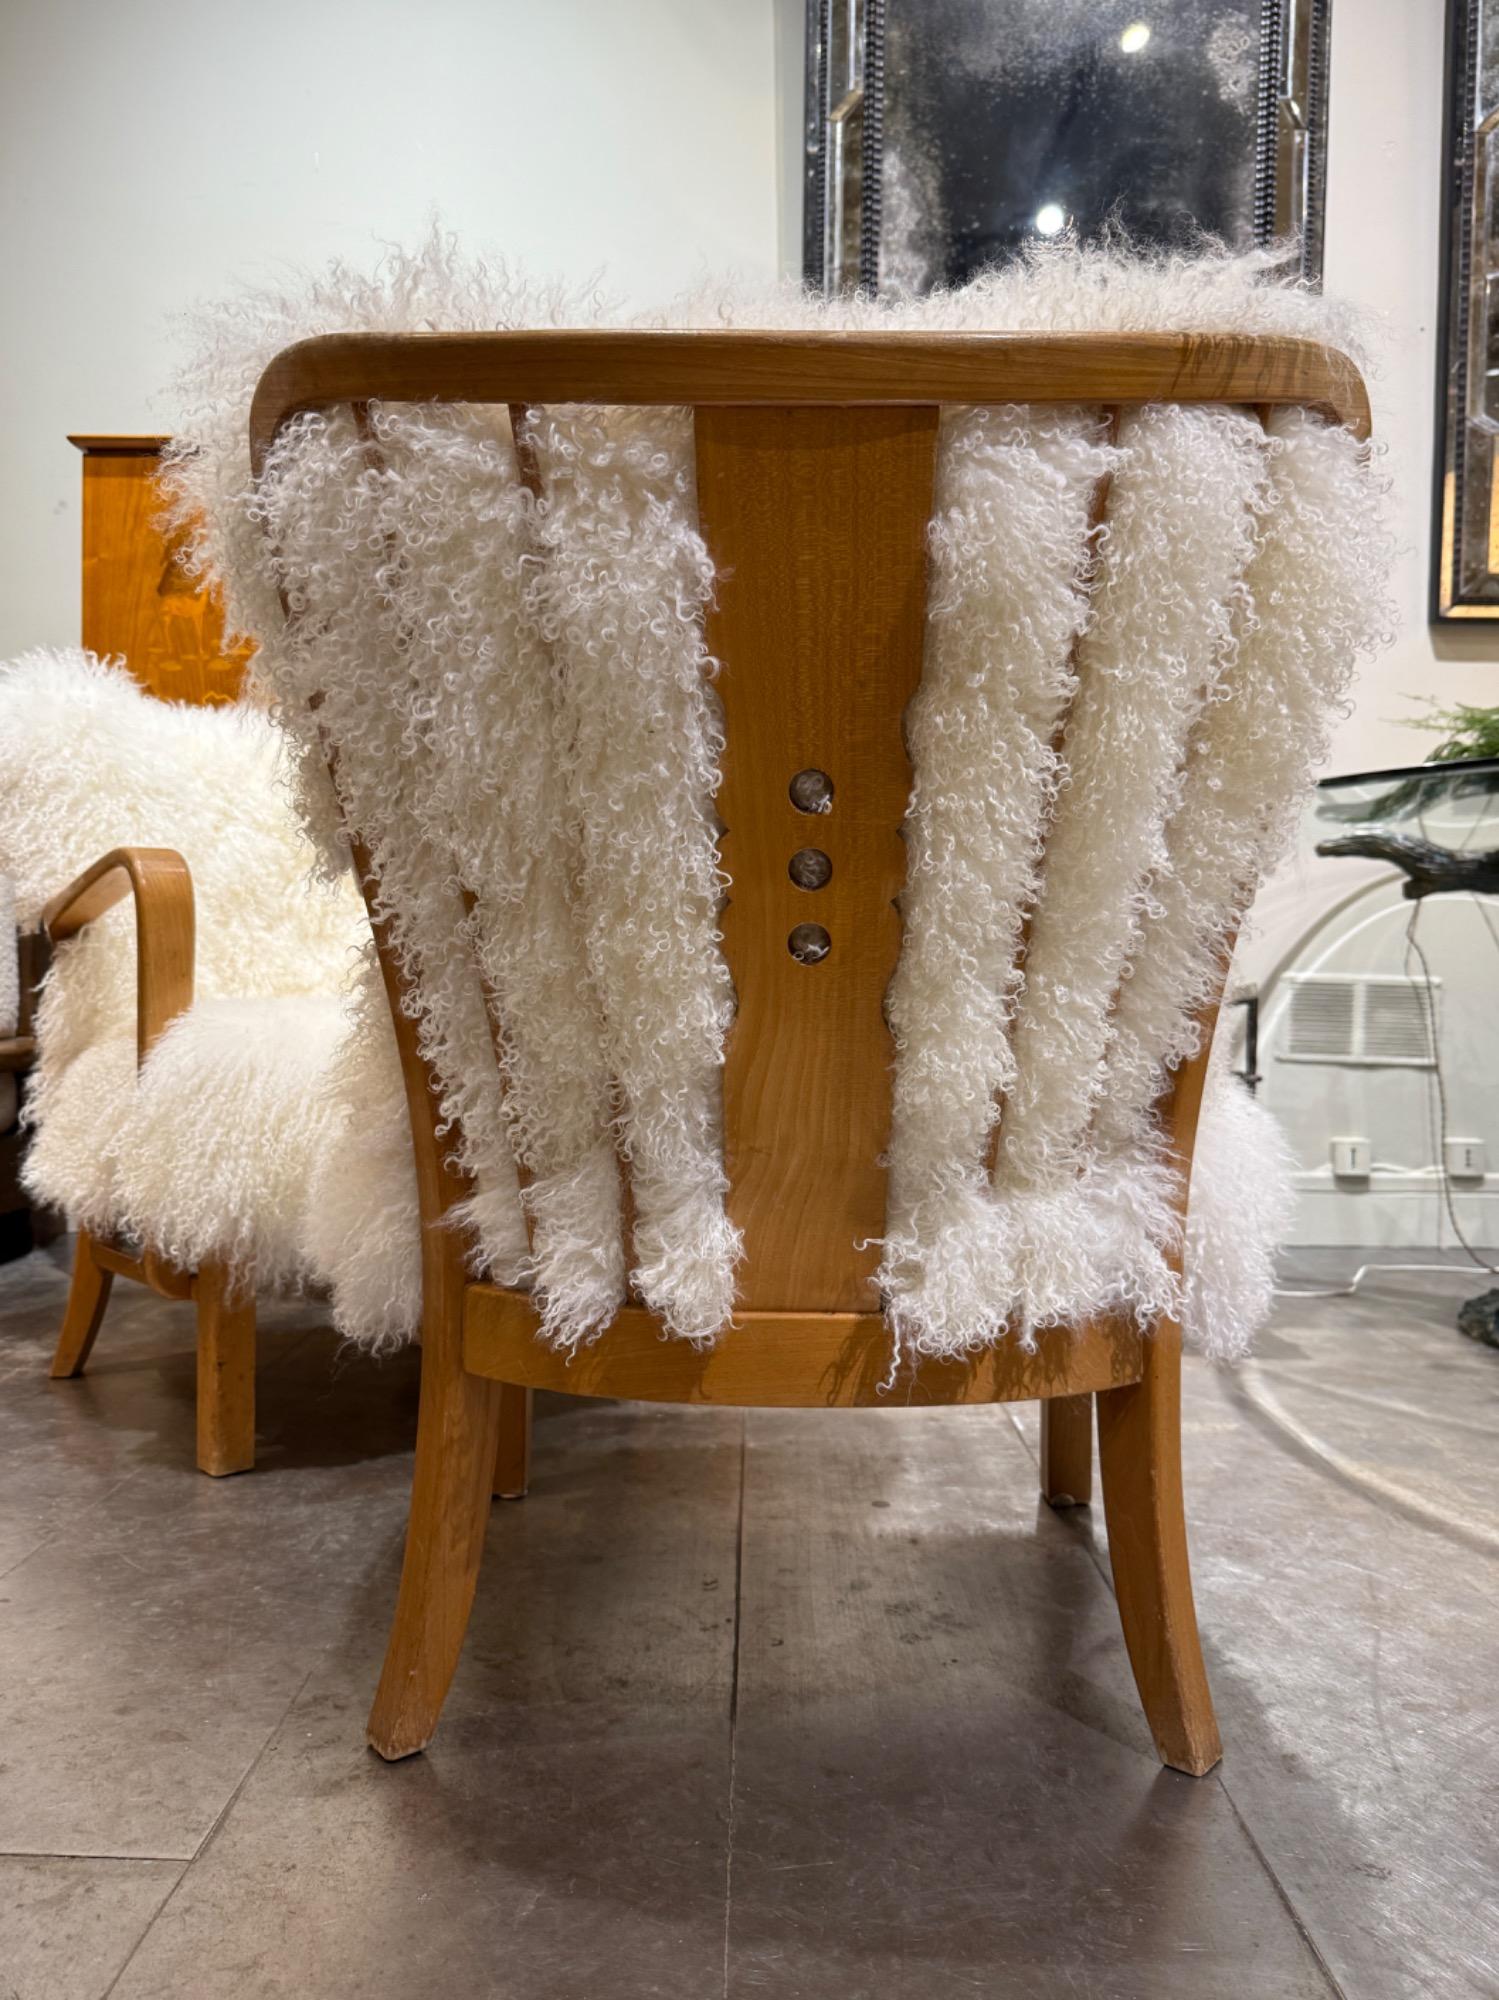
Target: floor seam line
[
  {"x": 1282, "y": 1893},
  {"x": 73, "y": 1854},
  {"x": 83, "y": 1515},
  {"x": 728, "y": 1862},
  {"x": 213, "y": 1832}
]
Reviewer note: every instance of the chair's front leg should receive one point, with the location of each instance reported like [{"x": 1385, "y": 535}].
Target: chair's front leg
[
  {"x": 226, "y": 1372},
  {"x": 88, "y": 1295}
]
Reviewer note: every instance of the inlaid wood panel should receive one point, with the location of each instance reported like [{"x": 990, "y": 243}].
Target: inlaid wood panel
[{"x": 139, "y": 603}]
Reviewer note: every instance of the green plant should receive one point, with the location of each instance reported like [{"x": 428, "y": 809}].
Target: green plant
[{"x": 1466, "y": 731}]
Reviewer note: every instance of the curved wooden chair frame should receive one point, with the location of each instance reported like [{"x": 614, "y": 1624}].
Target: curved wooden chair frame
[
  {"x": 814, "y": 470},
  {"x": 161, "y": 888}
]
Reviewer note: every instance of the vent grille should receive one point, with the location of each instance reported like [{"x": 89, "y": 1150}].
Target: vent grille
[{"x": 1378, "y": 1018}]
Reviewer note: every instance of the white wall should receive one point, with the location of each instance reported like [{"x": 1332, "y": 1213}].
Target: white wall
[
  {"x": 153, "y": 151},
  {"x": 1383, "y": 251}
]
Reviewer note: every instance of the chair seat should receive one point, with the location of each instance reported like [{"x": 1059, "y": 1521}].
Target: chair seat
[{"x": 209, "y": 1151}]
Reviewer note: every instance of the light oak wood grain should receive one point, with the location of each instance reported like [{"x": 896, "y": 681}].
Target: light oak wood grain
[
  {"x": 160, "y": 884},
  {"x": 786, "y": 369},
  {"x": 140, "y": 603},
  {"x": 784, "y": 1361},
  {"x": 818, "y": 626},
  {"x": 162, "y": 887},
  {"x": 1067, "y": 1451}
]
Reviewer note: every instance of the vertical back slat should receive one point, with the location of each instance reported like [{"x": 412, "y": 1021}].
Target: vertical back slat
[{"x": 817, "y": 520}]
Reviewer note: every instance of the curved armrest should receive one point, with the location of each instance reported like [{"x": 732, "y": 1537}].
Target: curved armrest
[{"x": 159, "y": 880}]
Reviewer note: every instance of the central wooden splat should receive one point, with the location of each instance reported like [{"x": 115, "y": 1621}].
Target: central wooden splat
[{"x": 816, "y": 520}]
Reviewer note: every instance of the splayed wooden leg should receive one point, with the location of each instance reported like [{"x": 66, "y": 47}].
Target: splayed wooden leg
[{"x": 1139, "y": 1450}]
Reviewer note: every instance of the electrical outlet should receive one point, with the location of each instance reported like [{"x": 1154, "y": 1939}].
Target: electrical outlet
[
  {"x": 1467, "y": 1159},
  {"x": 1350, "y": 1159}
]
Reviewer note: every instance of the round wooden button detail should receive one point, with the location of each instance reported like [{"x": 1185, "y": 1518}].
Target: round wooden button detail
[
  {"x": 810, "y": 868},
  {"x": 812, "y": 791},
  {"x": 808, "y": 943}
]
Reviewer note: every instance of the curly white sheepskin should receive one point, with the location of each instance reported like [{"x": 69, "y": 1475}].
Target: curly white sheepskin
[
  {"x": 452, "y": 629},
  {"x": 1179, "y": 536},
  {"x": 211, "y": 1152},
  {"x": 1007, "y": 601},
  {"x": 10, "y": 993},
  {"x": 622, "y": 588}
]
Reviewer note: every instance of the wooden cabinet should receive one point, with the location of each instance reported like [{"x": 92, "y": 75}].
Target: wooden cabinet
[{"x": 139, "y": 604}]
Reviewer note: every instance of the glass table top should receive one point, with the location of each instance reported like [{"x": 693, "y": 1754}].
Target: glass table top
[{"x": 1452, "y": 805}]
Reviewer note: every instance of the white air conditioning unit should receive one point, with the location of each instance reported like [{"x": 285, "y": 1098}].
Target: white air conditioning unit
[{"x": 1378, "y": 1019}]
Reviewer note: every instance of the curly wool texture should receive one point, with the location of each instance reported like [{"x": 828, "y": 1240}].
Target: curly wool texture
[
  {"x": 1006, "y": 604},
  {"x": 1302, "y": 623},
  {"x": 477, "y": 832},
  {"x": 452, "y": 724},
  {"x": 10, "y": 994},
  {"x": 1085, "y": 1212},
  {"x": 479, "y": 702},
  {"x": 221, "y": 1133},
  {"x": 338, "y": 667},
  {"x": 89, "y": 762},
  {"x": 1175, "y": 544},
  {"x": 623, "y": 588}
]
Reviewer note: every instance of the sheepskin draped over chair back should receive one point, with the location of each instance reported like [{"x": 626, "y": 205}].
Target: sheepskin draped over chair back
[{"x": 809, "y": 837}]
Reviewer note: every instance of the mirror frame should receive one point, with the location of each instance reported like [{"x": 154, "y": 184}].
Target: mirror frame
[
  {"x": 1456, "y": 330},
  {"x": 844, "y": 130}
]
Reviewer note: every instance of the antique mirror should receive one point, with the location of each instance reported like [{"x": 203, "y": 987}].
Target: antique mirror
[
  {"x": 942, "y": 134},
  {"x": 1465, "y": 558}
]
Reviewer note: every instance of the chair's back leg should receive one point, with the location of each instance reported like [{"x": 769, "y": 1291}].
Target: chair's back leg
[
  {"x": 1139, "y": 1455},
  {"x": 88, "y": 1295},
  {"x": 1067, "y": 1450},
  {"x": 226, "y": 1371},
  {"x": 512, "y": 1459}
]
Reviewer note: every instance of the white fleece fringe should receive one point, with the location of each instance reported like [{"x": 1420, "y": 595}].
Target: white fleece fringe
[
  {"x": 1176, "y": 543},
  {"x": 1006, "y": 603},
  {"x": 1302, "y": 623},
  {"x": 328, "y": 509},
  {"x": 623, "y": 585},
  {"x": 471, "y": 697}
]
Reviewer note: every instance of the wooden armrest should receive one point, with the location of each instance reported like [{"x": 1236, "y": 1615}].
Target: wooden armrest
[
  {"x": 159, "y": 880},
  {"x": 16, "y": 1052}
]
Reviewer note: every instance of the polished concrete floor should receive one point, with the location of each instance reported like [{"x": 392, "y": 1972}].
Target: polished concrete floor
[{"x": 793, "y": 1704}]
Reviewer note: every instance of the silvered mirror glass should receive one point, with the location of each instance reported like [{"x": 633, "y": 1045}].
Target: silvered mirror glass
[
  {"x": 1465, "y": 567},
  {"x": 944, "y": 134}
]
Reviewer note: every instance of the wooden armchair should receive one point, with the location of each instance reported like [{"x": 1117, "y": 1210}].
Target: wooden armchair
[
  {"x": 160, "y": 885},
  {"x": 814, "y": 478}
]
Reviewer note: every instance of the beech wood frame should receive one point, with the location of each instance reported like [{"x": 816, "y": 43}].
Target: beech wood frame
[
  {"x": 777, "y": 411},
  {"x": 158, "y": 881}
]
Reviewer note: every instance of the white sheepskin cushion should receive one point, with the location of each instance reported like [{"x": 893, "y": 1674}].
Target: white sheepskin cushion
[
  {"x": 230, "y": 1116},
  {"x": 209, "y": 1153},
  {"x": 10, "y": 993}
]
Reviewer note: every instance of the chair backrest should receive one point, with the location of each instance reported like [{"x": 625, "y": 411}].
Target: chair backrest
[{"x": 815, "y": 462}]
